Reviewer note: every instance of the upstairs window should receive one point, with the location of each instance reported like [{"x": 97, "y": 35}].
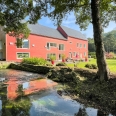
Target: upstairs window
[
  {"x": 51, "y": 45},
  {"x": 61, "y": 46},
  {"x": 77, "y": 44},
  {"x": 22, "y": 43},
  {"x": 84, "y": 45},
  {"x": 80, "y": 45}
]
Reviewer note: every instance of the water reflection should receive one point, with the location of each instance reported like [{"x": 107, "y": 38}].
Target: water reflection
[
  {"x": 42, "y": 103},
  {"x": 27, "y": 87}
]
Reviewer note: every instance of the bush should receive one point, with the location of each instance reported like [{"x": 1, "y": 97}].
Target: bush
[
  {"x": 48, "y": 64},
  {"x": 34, "y": 61},
  {"x": 91, "y": 66},
  {"x": 61, "y": 64}
]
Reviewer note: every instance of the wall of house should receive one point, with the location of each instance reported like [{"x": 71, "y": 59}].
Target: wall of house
[
  {"x": 38, "y": 47},
  {"x": 3, "y": 42},
  {"x": 81, "y": 51}
]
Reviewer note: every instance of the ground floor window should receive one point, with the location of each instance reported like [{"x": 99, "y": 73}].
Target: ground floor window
[
  {"x": 22, "y": 55},
  {"x": 1, "y": 55},
  {"x": 60, "y": 56},
  {"x": 51, "y": 54}
]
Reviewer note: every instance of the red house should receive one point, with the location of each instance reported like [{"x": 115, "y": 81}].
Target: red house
[{"x": 44, "y": 41}]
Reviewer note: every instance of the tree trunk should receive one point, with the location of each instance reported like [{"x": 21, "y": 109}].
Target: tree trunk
[{"x": 103, "y": 71}]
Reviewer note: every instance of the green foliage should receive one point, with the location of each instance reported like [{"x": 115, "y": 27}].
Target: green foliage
[
  {"x": 19, "y": 42},
  {"x": 92, "y": 54},
  {"x": 34, "y": 61},
  {"x": 63, "y": 56},
  {"x": 20, "y": 91},
  {"x": 65, "y": 75},
  {"x": 91, "y": 45},
  {"x": 14, "y": 108},
  {"x": 52, "y": 57},
  {"x": 61, "y": 64},
  {"x": 49, "y": 64},
  {"x": 91, "y": 66},
  {"x": 110, "y": 41}
]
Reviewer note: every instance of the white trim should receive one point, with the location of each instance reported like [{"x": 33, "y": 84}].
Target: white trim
[{"x": 22, "y": 52}]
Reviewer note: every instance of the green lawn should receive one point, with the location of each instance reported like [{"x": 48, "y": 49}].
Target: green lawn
[{"x": 111, "y": 64}]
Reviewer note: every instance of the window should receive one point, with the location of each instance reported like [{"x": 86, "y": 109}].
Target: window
[
  {"x": 22, "y": 55},
  {"x": 61, "y": 46},
  {"x": 74, "y": 53},
  {"x": 48, "y": 55},
  {"x": 51, "y": 45},
  {"x": 80, "y": 45},
  {"x": 84, "y": 53},
  {"x": 22, "y": 43},
  {"x": 84, "y": 45},
  {"x": 48, "y": 46},
  {"x": 0, "y": 44},
  {"x": 77, "y": 44}
]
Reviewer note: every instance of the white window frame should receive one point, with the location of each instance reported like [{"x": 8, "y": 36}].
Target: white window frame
[
  {"x": 50, "y": 45},
  {"x": 49, "y": 55},
  {"x": 80, "y": 46},
  {"x": 59, "y": 47},
  {"x": 84, "y": 45},
  {"x": 84, "y": 53},
  {"x": 21, "y": 52},
  {"x": 22, "y": 45},
  {"x": 77, "y": 44},
  {"x": 74, "y": 53}
]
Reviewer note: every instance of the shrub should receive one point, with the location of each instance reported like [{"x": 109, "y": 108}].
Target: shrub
[
  {"x": 110, "y": 55},
  {"x": 61, "y": 64},
  {"x": 52, "y": 57},
  {"x": 91, "y": 66},
  {"x": 48, "y": 64},
  {"x": 34, "y": 61}
]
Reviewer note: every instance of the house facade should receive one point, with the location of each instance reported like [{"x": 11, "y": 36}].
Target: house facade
[{"x": 44, "y": 41}]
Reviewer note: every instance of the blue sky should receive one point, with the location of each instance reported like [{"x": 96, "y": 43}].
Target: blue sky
[{"x": 70, "y": 22}]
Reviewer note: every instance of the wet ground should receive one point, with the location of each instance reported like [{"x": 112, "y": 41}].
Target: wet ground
[{"x": 42, "y": 98}]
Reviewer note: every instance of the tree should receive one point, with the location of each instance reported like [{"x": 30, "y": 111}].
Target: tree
[
  {"x": 110, "y": 42},
  {"x": 91, "y": 45},
  {"x": 98, "y": 12}
]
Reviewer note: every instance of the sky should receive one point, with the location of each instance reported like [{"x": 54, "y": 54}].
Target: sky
[{"x": 70, "y": 22}]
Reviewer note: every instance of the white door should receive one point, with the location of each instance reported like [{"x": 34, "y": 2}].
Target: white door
[{"x": 70, "y": 55}]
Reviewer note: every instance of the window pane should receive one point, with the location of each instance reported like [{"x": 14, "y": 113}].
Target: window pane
[
  {"x": 0, "y": 44},
  {"x": 61, "y": 46},
  {"x": 48, "y": 45},
  {"x": 22, "y": 55},
  {"x": 48, "y": 56},
  {"x": 25, "y": 43}
]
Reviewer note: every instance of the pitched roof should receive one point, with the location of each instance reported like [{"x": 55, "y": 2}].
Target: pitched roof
[
  {"x": 73, "y": 33},
  {"x": 45, "y": 31}
]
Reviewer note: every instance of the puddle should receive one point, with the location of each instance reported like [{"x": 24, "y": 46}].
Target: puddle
[{"x": 42, "y": 98}]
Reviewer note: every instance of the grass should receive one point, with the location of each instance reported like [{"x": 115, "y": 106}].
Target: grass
[{"x": 111, "y": 64}]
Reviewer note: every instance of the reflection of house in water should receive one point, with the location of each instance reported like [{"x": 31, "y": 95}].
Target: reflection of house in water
[{"x": 28, "y": 87}]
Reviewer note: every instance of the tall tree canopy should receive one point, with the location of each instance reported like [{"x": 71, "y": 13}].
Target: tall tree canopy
[{"x": 97, "y": 12}]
